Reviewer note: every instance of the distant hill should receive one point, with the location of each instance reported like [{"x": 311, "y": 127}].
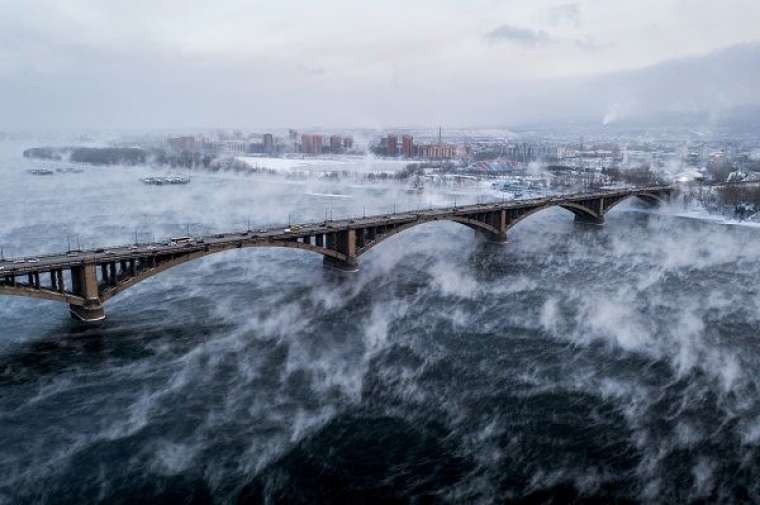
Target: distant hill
[{"x": 715, "y": 90}]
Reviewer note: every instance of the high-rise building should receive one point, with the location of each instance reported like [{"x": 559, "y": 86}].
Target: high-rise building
[
  {"x": 391, "y": 145},
  {"x": 348, "y": 143},
  {"x": 268, "y": 143},
  {"x": 335, "y": 143},
  {"x": 407, "y": 146},
  {"x": 233, "y": 146},
  {"x": 436, "y": 151},
  {"x": 311, "y": 144},
  {"x": 306, "y": 143},
  {"x": 182, "y": 143}
]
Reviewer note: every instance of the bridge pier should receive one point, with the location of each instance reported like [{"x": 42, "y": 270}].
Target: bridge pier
[
  {"x": 499, "y": 238},
  {"x": 587, "y": 219},
  {"x": 344, "y": 242},
  {"x": 497, "y": 221},
  {"x": 494, "y": 238},
  {"x": 89, "y": 313},
  {"x": 349, "y": 266},
  {"x": 85, "y": 284}
]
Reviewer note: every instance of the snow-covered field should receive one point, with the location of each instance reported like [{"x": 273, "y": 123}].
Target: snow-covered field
[
  {"x": 696, "y": 211},
  {"x": 361, "y": 164}
]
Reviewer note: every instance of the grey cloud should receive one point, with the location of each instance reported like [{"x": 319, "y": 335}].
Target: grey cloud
[
  {"x": 519, "y": 35},
  {"x": 569, "y": 13},
  {"x": 529, "y": 37}
]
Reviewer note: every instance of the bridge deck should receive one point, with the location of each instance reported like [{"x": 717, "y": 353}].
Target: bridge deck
[{"x": 45, "y": 263}]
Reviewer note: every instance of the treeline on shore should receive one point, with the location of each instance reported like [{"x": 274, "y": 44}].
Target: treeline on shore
[{"x": 120, "y": 156}]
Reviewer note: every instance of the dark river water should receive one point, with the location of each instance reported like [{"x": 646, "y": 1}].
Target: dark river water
[{"x": 613, "y": 364}]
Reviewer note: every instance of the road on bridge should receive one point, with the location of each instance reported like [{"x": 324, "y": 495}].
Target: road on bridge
[{"x": 96, "y": 275}]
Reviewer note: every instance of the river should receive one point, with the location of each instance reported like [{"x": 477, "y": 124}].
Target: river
[{"x": 595, "y": 364}]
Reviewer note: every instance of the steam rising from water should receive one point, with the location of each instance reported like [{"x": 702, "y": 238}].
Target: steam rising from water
[{"x": 573, "y": 361}]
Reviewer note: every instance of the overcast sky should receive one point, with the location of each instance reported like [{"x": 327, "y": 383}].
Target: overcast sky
[{"x": 158, "y": 64}]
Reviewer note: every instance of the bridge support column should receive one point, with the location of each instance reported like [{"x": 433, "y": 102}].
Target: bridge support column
[
  {"x": 87, "y": 284},
  {"x": 345, "y": 243},
  {"x": 498, "y": 220},
  {"x": 597, "y": 208},
  {"x": 501, "y": 224}
]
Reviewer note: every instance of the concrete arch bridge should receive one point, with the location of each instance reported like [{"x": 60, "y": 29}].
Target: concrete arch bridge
[{"x": 85, "y": 280}]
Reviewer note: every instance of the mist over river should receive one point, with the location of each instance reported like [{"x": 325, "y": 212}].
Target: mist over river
[{"x": 613, "y": 364}]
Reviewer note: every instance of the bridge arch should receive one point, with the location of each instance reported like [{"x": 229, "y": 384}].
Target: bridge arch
[
  {"x": 470, "y": 223},
  {"x": 42, "y": 294},
  {"x": 580, "y": 211},
  {"x": 111, "y": 291},
  {"x": 587, "y": 214},
  {"x": 648, "y": 197}
]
